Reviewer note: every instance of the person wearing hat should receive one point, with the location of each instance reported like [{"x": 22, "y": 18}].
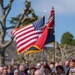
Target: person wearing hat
[{"x": 72, "y": 67}]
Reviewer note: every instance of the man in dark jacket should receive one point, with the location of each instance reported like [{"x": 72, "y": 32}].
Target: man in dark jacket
[{"x": 66, "y": 67}]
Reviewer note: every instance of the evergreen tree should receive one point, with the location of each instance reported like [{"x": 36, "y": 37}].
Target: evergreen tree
[
  {"x": 67, "y": 38},
  {"x": 73, "y": 42},
  {"x": 29, "y": 17}
]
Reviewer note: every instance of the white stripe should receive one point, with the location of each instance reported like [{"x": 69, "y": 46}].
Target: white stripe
[
  {"x": 23, "y": 46},
  {"x": 23, "y": 37},
  {"x": 13, "y": 32},
  {"x": 23, "y": 41},
  {"x": 25, "y": 31},
  {"x": 22, "y": 29}
]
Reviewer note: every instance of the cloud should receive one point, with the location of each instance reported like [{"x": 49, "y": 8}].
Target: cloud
[
  {"x": 65, "y": 6},
  {"x": 61, "y": 6}
]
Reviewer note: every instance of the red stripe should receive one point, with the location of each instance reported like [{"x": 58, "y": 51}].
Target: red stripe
[
  {"x": 26, "y": 41},
  {"x": 24, "y": 34},
  {"x": 25, "y": 48},
  {"x": 26, "y": 37},
  {"x": 23, "y": 39},
  {"x": 24, "y": 30},
  {"x": 41, "y": 41}
]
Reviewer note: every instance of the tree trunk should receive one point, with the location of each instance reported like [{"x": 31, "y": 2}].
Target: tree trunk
[{"x": 2, "y": 57}]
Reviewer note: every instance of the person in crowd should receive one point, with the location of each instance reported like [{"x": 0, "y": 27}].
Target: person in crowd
[
  {"x": 60, "y": 70},
  {"x": 47, "y": 71},
  {"x": 72, "y": 67},
  {"x": 32, "y": 70},
  {"x": 37, "y": 72},
  {"x": 10, "y": 66},
  {"x": 61, "y": 63},
  {"x": 26, "y": 67},
  {"x": 54, "y": 70},
  {"x": 12, "y": 62},
  {"x": 66, "y": 67},
  {"x": 5, "y": 67},
  {"x": 56, "y": 64},
  {"x": 42, "y": 69},
  {"x": 1, "y": 70},
  {"x": 4, "y": 72},
  {"x": 9, "y": 71},
  {"x": 14, "y": 67},
  {"x": 38, "y": 66},
  {"x": 22, "y": 70},
  {"x": 16, "y": 72},
  {"x": 52, "y": 66}
]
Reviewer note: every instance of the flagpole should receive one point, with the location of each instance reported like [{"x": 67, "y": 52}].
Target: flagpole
[
  {"x": 43, "y": 55},
  {"x": 54, "y": 41},
  {"x": 54, "y": 53},
  {"x": 44, "y": 23}
]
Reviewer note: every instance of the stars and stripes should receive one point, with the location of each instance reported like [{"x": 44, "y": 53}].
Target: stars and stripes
[
  {"x": 28, "y": 35},
  {"x": 46, "y": 37}
]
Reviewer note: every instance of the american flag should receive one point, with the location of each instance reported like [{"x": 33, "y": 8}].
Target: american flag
[
  {"x": 46, "y": 37},
  {"x": 28, "y": 35}
]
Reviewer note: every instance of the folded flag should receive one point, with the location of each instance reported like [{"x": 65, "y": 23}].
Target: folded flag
[
  {"x": 27, "y": 35},
  {"x": 46, "y": 37}
]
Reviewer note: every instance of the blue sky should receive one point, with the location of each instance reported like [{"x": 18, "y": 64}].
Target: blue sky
[{"x": 64, "y": 13}]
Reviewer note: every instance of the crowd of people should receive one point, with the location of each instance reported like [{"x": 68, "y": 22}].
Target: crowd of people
[{"x": 41, "y": 68}]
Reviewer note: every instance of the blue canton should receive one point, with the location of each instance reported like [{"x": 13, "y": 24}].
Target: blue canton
[{"x": 39, "y": 23}]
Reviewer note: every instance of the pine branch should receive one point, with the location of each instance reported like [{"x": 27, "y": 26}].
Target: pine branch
[{"x": 21, "y": 17}]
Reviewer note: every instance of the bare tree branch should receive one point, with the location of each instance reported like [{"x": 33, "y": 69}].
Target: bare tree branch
[
  {"x": 21, "y": 17},
  {"x": 7, "y": 44},
  {"x": 70, "y": 55},
  {"x": 1, "y": 2},
  {"x": 3, "y": 13},
  {"x": 9, "y": 4},
  {"x": 8, "y": 7},
  {"x": 7, "y": 12},
  {"x": 24, "y": 19},
  {"x": 10, "y": 27},
  {"x": 1, "y": 23}
]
